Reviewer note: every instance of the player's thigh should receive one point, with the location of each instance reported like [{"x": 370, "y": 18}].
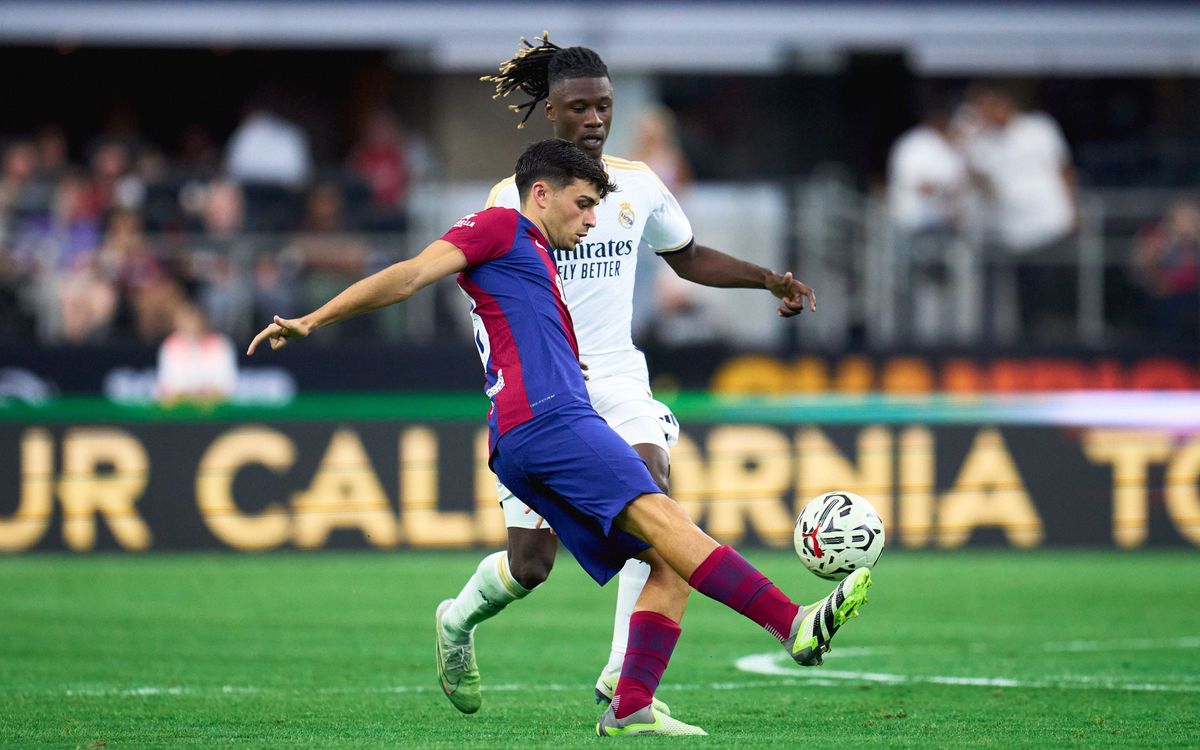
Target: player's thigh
[
  {"x": 651, "y": 428},
  {"x": 642, "y": 420},
  {"x": 647, "y": 440},
  {"x": 571, "y": 467},
  {"x": 518, "y": 515}
]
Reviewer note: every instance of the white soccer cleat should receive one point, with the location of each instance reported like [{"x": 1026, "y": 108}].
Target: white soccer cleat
[
  {"x": 644, "y": 721},
  {"x": 457, "y": 671},
  {"x": 814, "y": 626}
]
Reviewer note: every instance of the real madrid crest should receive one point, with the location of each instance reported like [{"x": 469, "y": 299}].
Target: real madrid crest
[{"x": 625, "y": 215}]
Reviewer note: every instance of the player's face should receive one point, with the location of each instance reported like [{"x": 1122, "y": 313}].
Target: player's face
[
  {"x": 572, "y": 212},
  {"x": 581, "y": 110}
]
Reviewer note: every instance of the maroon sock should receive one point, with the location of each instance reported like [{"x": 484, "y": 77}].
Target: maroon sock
[
  {"x": 652, "y": 638},
  {"x": 727, "y": 577}
]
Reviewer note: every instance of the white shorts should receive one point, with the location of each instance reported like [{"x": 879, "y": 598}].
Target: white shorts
[{"x": 630, "y": 410}]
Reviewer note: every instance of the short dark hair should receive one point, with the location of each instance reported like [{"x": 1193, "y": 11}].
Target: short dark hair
[
  {"x": 534, "y": 70},
  {"x": 559, "y": 162}
]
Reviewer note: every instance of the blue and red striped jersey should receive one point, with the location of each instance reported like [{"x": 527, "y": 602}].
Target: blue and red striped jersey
[{"x": 522, "y": 326}]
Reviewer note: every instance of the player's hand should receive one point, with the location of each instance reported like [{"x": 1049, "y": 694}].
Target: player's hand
[
  {"x": 792, "y": 292},
  {"x": 279, "y": 332},
  {"x": 583, "y": 366}
]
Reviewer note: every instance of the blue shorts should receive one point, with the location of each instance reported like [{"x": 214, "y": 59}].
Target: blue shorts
[{"x": 574, "y": 471}]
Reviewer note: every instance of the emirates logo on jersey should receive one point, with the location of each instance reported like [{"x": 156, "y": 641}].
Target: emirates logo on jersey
[{"x": 626, "y": 215}]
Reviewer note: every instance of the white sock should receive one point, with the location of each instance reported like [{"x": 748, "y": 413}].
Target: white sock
[
  {"x": 629, "y": 587},
  {"x": 488, "y": 591}
]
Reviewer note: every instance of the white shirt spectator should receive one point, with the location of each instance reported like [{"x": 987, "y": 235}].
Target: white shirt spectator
[
  {"x": 200, "y": 367},
  {"x": 926, "y": 179},
  {"x": 1023, "y": 163},
  {"x": 266, "y": 148}
]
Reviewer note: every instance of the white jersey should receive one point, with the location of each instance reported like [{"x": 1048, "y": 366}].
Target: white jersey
[{"x": 598, "y": 273}]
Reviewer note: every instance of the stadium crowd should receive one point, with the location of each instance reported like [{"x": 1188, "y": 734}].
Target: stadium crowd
[
  {"x": 982, "y": 169},
  {"x": 107, "y": 247},
  {"x": 107, "y": 250}
]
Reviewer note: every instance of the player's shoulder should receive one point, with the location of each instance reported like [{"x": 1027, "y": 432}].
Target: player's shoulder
[
  {"x": 627, "y": 165},
  {"x": 507, "y": 185},
  {"x": 496, "y": 217},
  {"x": 625, "y": 172}
]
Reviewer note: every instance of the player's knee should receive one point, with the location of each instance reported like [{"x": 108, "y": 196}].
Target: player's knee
[
  {"x": 658, "y": 463},
  {"x": 677, "y": 587},
  {"x": 652, "y": 517},
  {"x": 531, "y": 571}
]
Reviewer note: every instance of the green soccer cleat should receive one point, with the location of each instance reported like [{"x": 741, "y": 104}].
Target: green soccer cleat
[
  {"x": 647, "y": 720},
  {"x": 815, "y": 624},
  {"x": 606, "y": 686},
  {"x": 457, "y": 670}
]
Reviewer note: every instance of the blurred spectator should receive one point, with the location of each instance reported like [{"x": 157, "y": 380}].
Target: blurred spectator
[
  {"x": 53, "y": 155},
  {"x": 218, "y": 256},
  {"x": 672, "y": 315},
  {"x": 657, "y": 144},
  {"x": 274, "y": 288},
  {"x": 381, "y": 160},
  {"x": 270, "y": 157},
  {"x": 194, "y": 362},
  {"x": 265, "y": 148},
  {"x": 45, "y": 250},
  {"x": 198, "y": 152},
  {"x": 19, "y": 195},
  {"x": 1024, "y": 164},
  {"x": 148, "y": 294},
  {"x": 1166, "y": 263},
  {"x": 57, "y": 237},
  {"x": 927, "y": 187},
  {"x": 151, "y": 166},
  {"x": 87, "y": 302},
  {"x": 679, "y": 319},
  {"x": 108, "y": 187},
  {"x": 159, "y": 195},
  {"x": 330, "y": 257}
]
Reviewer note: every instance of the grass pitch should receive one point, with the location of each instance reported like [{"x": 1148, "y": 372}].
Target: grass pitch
[{"x": 965, "y": 649}]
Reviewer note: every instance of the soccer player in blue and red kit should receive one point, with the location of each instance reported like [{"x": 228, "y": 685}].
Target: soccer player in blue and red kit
[{"x": 550, "y": 447}]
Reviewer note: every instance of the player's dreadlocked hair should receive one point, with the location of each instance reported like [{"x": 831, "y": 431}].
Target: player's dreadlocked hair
[{"x": 534, "y": 70}]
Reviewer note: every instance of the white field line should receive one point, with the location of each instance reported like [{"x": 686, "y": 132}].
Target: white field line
[
  {"x": 1131, "y": 644},
  {"x": 775, "y": 664},
  {"x": 176, "y": 690},
  {"x": 771, "y": 664}
]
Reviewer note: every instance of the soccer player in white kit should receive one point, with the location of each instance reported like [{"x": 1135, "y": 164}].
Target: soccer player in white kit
[{"x": 598, "y": 278}]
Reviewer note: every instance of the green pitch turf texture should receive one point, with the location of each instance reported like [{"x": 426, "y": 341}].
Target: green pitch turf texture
[{"x": 966, "y": 649}]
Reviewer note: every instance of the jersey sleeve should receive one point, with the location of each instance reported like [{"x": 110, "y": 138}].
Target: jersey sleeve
[
  {"x": 484, "y": 236},
  {"x": 667, "y": 229},
  {"x": 504, "y": 194}
]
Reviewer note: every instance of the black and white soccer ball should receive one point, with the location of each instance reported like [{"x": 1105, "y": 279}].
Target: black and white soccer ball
[{"x": 838, "y": 532}]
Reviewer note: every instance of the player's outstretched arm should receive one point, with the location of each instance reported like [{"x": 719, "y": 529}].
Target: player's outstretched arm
[
  {"x": 393, "y": 284},
  {"x": 704, "y": 265}
]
